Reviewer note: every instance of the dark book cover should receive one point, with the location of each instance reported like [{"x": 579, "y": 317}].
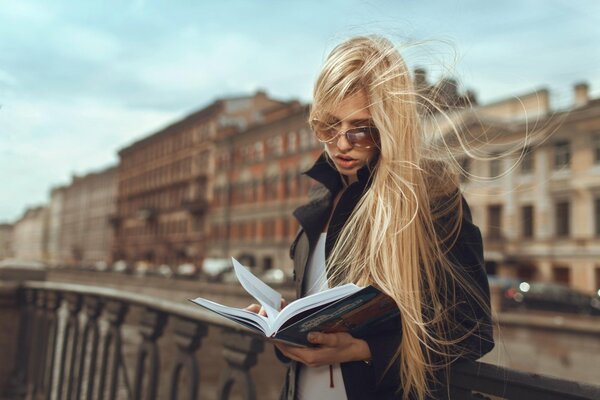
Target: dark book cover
[{"x": 355, "y": 314}]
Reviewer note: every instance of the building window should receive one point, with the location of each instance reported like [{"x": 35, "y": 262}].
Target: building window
[
  {"x": 597, "y": 215},
  {"x": 561, "y": 275},
  {"x": 305, "y": 139},
  {"x": 259, "y": 151},
  {"x": 495, "y": 167},
  {"x": 527, "y": 161},
  {"x": 562, "y": 218},
  {"x": 275, "y": 146},
  {"x": 562, "y": 155},
  {"x": 269, "y": 229},
  {"x": 494, "y": 222},
  {"x": 292, "y": 142},
  {"x": 527, "y": 221},
  {"x": 267, "y": 263}
]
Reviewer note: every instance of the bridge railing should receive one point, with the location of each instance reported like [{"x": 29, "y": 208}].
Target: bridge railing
[{"x": 70, "y": 346}]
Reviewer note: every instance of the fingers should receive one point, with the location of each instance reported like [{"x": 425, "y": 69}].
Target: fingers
[
  {"x": 255, "y": 308},
  {"x": 324, "y": 339}
]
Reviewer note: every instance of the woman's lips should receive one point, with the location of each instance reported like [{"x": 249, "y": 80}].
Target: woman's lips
[{"x": 346, "y": 162}]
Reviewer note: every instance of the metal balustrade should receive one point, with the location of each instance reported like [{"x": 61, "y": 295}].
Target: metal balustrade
[{"x": 70, "y": 346}]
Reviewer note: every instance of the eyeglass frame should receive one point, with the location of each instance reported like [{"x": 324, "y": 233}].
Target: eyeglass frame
[{"x": 345, "y": 133}]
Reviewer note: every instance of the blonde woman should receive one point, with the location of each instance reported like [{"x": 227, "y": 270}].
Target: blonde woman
[{"x": 386, "y": 212}]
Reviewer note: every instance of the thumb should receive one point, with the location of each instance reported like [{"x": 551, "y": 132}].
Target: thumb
[{"x": 325, "y": 339}]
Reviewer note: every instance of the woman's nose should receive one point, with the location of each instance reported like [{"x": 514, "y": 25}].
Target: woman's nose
[{"x": 342, "y": 142}]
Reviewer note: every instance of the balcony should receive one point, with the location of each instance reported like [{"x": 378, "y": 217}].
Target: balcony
[
  {"x": 71, "y": 343},
  {"x": 195, "y": 207}
]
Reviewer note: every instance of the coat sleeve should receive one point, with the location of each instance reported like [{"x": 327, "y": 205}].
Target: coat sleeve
[{"x": 466, "y": 254}]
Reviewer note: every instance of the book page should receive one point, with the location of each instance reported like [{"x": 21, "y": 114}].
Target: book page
[
  {"x": 315, "y": 300},
  {"x": 237, "y": 314},
  {"x": 268, "y": 298}
]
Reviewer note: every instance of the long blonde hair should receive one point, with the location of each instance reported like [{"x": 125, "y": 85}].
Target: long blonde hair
[{"x": 391, "y": 240}]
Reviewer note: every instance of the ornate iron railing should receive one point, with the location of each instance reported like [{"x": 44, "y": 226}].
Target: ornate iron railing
[{"x": 71, "y": 347}]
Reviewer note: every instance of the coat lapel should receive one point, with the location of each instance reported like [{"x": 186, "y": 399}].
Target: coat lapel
[{"x": 312, "y": 218}]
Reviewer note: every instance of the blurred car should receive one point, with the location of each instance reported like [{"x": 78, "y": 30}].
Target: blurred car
[
  {"x": 215, "y": 268},
  {"x": 121, "y": 266},
  {"x": 503, "y": 282},
  {"x": 142, "y": 268},
  {"x": 165, "y": 270},
  {"x": 276, "y": 276},
  {"x": 187, "y": 271},
  {"x": 551, "y": 297},
  {"x": 101, "y": 266}
]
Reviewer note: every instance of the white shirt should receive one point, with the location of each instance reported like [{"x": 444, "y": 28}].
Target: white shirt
[{"x": 314, "y": 382}]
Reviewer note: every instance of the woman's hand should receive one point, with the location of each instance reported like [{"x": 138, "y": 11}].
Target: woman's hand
[{"x": 333, "y": 348}]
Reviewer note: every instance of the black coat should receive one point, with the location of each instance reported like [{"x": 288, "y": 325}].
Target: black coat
[{"x": 364, "y": 381}]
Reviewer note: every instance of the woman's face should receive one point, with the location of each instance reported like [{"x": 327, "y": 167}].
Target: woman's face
[{"x": 352, "y": 112}]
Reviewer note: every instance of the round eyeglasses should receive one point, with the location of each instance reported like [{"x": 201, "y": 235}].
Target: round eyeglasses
[{"x": 364, "y": 137}]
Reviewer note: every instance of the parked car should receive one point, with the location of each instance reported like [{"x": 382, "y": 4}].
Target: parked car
[
  {"x": 101, "y": 266},
  {"x": 552, "y": 297},
  {"x": 276, "y": 276},
  {"x": 165, "y": 270},
  {"x": 187, "y": 271},
  {"x": 142, "y": 268},
  {"x": 122, "y": 267},
  {"x": 215, "y": 268}
]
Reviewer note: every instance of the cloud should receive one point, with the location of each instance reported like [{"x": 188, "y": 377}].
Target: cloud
[{"x": 43, "y": 144}]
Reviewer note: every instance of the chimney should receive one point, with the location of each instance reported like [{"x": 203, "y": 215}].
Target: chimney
[
  {"x": 581, "y": 94},
  {"x": 420, "y": 78}
]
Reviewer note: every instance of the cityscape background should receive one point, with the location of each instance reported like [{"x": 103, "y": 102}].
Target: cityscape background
[{"x": 158, "y": 140}]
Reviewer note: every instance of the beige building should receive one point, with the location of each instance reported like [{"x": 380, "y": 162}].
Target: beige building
[
  {"x": 165, "y": 183},
  {"x": 6, "y": 236},
  {"x": 539, "y": 210},
  {"x": 55, "y": 213},
  {"x": 30, "y": 235},
  {"x": 86, "y": 207}
]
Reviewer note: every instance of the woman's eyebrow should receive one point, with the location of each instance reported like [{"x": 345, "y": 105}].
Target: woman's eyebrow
[{"x": 361, "y": 121}]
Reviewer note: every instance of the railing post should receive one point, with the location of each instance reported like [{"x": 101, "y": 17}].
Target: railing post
[
  {"x": 116, "y": 311},
  {"x": 93, "y": 309},
  {"x": 40, "y": 334},
  {"x": 17, "y": 315},
  {"x": 240, "y": 351},
  {"x": 27, "y": 300},
  {"x": 9, "y": 336},
  {"x": 188, "y": 337},
  {"x": 69, "y": 346},
  {"x": 152, "y": 326},
  {"x": 53, "y": 300}
]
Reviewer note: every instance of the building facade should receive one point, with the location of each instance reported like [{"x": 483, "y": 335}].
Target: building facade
[
  {"x": 166, "y": 179},
  {"x": 30, "y": 235},
  {"x": 258, "y": 184},
  {"x": 86, "y": 207},
  {"x": 55, "y": 213},
  {"x": 539, "y": 207},
  {"x": 6, "y": 237}
]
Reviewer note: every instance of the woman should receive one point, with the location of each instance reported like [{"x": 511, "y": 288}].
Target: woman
[{"x": 385, "y": 213}]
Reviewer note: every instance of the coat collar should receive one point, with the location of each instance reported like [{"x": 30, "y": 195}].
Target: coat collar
[
  {"x": 324, "y": 172},
  {"x": 314, "y": 215}
]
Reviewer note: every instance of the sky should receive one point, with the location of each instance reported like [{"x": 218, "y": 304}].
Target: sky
[{"x": 80, "y": 80}]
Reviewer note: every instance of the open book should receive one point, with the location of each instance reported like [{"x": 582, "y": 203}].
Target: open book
[{"x": 346, "y": 308}]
